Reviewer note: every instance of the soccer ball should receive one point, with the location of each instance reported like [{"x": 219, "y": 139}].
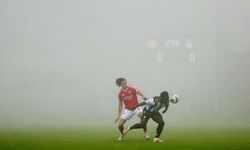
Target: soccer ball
[{"x": 174, "y": 99}]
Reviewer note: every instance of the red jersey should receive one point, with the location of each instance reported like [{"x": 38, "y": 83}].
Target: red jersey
[{"x": 129, "y": 97}]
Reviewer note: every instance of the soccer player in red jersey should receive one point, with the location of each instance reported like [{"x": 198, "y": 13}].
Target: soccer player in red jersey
[{"x": 128, "y": 97}]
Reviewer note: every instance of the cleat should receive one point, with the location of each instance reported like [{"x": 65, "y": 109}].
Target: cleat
[
  {"x": 146, "y": 136},
  {"x": 157, "y": 140},
  {"x": 121, "y": 137}
]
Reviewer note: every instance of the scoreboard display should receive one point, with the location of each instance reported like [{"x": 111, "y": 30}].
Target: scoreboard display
[{"x": 173, "y": 49}]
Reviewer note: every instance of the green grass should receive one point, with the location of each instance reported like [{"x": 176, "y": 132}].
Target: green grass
[{"x": 177, "y": 138}]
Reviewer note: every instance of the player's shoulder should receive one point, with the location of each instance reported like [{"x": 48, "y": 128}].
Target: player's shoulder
[
  {"x": 156, "y": 98},
  {"x": 132, "y": 87},
  {"x": 120, "y": 92}
]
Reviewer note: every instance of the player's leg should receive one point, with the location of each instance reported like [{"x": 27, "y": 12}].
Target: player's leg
[
  {"x": 159, "y": 120},
  {"x": 139, "y": 112},
  {"x": 126, "y": 115},
  {"x": 120, "y": 124},
  {"x": 144, "y": 123}
]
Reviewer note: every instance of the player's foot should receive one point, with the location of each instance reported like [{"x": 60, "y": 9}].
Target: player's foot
[
  {"x": 146, "y": 136},
  {"x": 126, "y": 130},
  {"x": 120, "y": 137},
  {"x": 157, "y": 140}
]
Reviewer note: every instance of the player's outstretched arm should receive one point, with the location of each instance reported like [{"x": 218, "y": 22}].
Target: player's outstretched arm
[
  {"x": 140, "y": 104},
  {"x": 142, "y": 95}
]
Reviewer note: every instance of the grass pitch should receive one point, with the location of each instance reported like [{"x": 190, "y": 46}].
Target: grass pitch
[{"x": 105, "y": 138}]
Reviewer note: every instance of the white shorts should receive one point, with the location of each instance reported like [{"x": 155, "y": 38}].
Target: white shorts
[{"x": 127, "y": 114}]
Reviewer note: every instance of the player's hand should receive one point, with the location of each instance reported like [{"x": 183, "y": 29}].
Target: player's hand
[
  {"x": 116, "y": 119},
  {"x": 145, "y": 98}
]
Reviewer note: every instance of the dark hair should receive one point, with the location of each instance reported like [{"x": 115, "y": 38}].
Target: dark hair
[
  {"x": 164, "y": 94},
  {"x": 118, "y": 81},
  {"x": 164, "y": 97}
]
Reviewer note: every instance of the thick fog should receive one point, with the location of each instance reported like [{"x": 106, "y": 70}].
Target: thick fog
[{"x": 59, "y": 59}]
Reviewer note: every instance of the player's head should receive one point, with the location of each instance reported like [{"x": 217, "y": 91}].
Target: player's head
[
  {"x": 121, "y": 82},
  {"x": 164, "y": 97}
]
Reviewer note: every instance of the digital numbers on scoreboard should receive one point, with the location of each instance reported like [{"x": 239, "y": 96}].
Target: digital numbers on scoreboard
[{"x": 167, "y": 50}]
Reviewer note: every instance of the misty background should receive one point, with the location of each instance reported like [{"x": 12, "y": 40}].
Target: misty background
[{"x": 59, "y": 59}]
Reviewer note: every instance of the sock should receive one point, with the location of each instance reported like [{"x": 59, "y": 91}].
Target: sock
[
  {"x": 145, "y": 129},
  {"x": 121, "y": 128}
]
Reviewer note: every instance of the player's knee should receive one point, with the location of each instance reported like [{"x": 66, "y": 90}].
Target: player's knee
[
  {"x": 162, "y": 123},
  {"x": 143, "y": 125},
  {"x": 120, "y": 125}
]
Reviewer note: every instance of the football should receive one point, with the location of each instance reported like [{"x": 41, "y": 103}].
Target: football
[{"x": 174, "y": 99}]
